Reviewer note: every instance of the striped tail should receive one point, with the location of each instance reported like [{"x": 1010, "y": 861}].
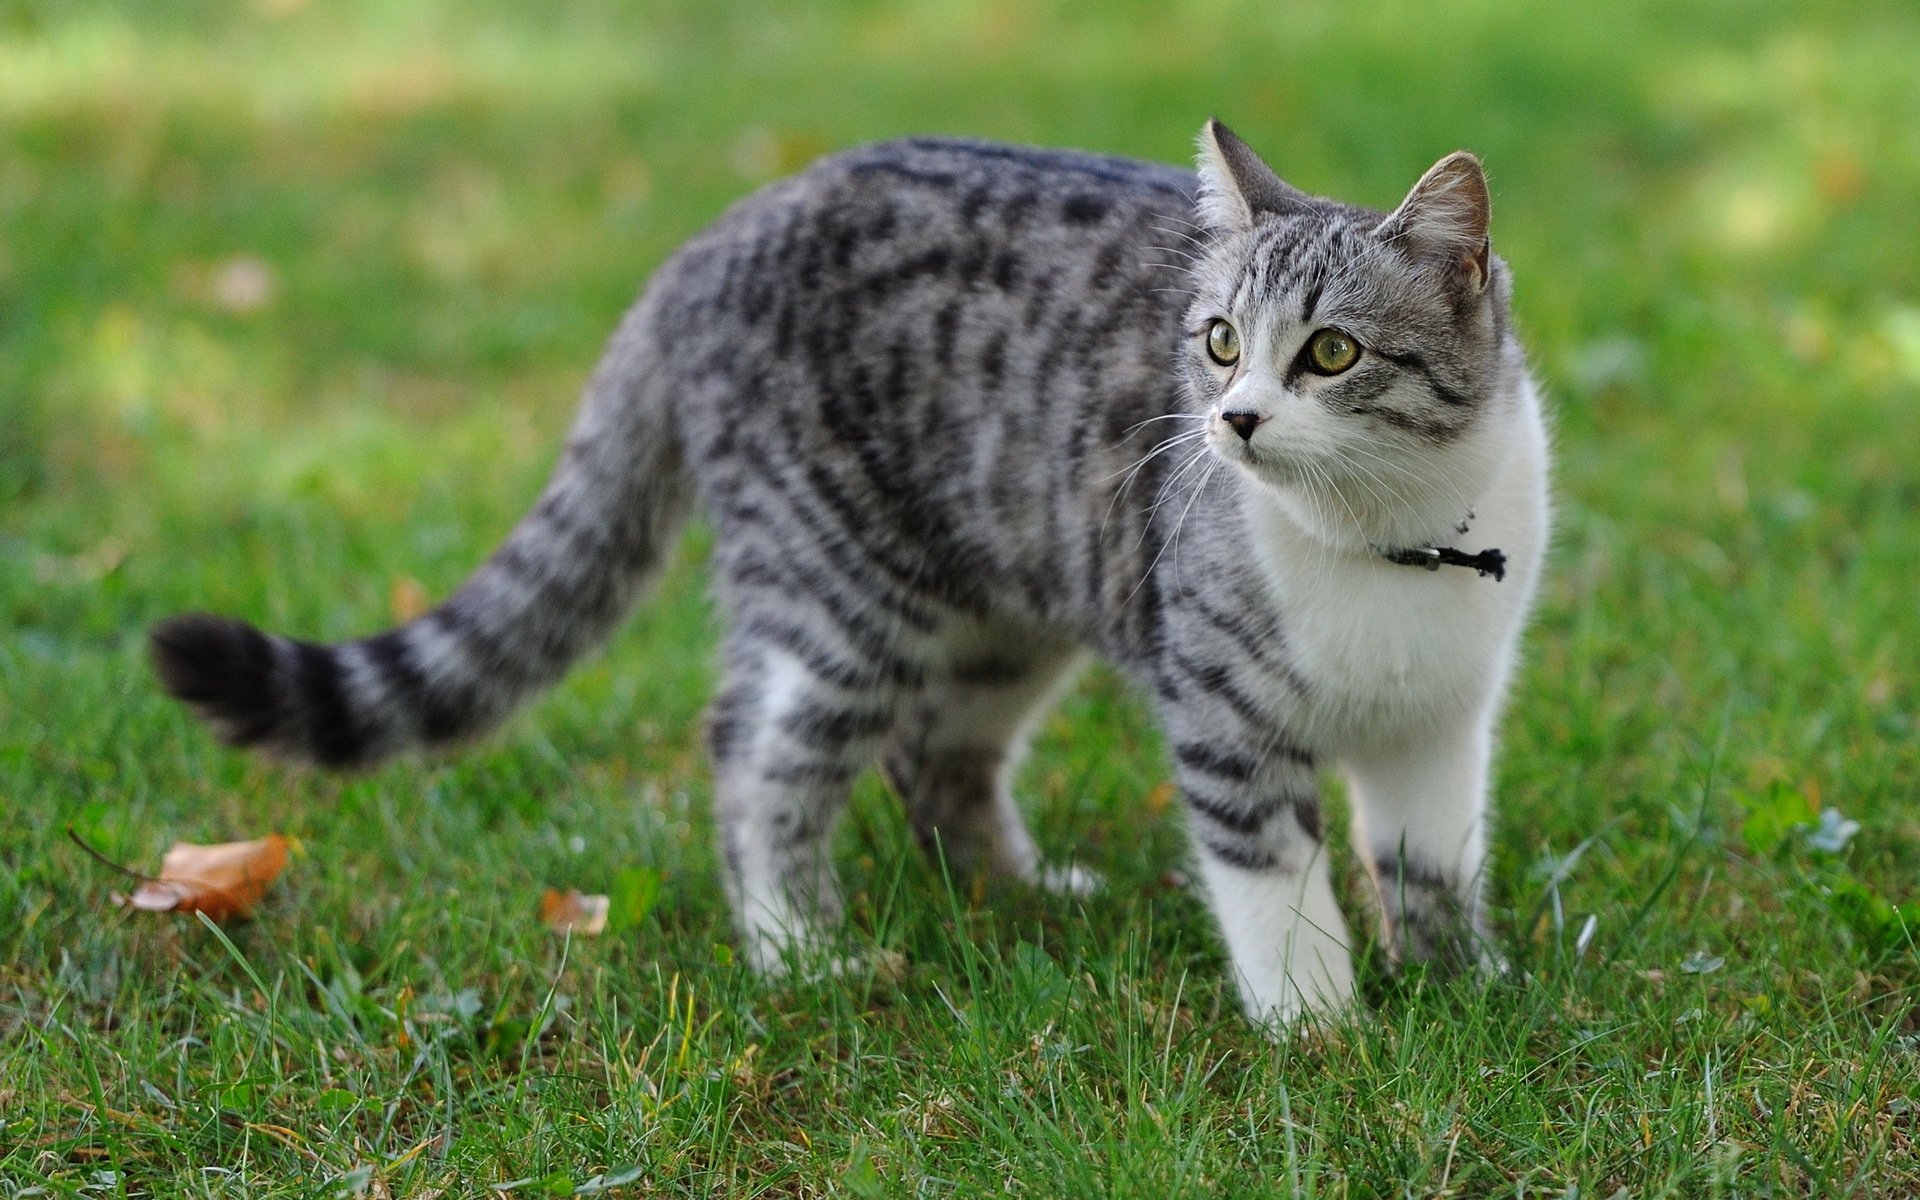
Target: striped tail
[{"x": 565, "y": 575}]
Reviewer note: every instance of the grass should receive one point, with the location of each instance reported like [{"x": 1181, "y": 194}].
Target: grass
[{"x": 294, "y": 299}]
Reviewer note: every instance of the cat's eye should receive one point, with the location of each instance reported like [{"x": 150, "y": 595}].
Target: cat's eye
[
  {"x": 1330, "y": 352},
  {"x": 1223, "y": 343}
]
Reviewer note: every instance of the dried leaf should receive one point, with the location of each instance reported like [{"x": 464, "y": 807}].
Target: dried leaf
[
  {"x": 574, "y": 912},
  {"x": 222, "y": 881},
  {"x": 407, "y": 599}
]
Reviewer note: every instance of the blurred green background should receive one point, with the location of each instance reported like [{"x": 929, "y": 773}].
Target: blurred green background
[{"x": 295, "y": 300}]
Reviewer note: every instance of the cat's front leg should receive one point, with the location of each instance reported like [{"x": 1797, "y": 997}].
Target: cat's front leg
[
  {"x": 1420, "y": 807},
  {"x": 1254, "y": 811}
]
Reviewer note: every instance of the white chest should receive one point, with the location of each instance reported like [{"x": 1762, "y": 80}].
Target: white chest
[{"x": 1391, "y": 649}]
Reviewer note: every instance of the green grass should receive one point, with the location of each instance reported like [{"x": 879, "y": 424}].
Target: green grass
[{"x": 1709, "y": 213}]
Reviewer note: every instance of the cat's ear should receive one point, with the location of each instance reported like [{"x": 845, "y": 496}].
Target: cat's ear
[
  {"x": 1235, "y": 185},
  {"x": 1445, "y": 218}
]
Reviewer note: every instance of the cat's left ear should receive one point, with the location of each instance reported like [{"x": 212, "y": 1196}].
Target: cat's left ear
[{"x": 1445, "y": 218}]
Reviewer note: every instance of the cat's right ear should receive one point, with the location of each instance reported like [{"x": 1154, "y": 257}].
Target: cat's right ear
[{"x": 1236, "y": 186}]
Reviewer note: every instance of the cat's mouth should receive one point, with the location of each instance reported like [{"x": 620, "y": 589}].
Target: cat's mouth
[
  {"x": 1344, "y": 506},
  {"x": 1267, "y": 463}
]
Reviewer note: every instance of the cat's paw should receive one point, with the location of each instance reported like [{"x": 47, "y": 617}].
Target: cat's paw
[
  {"x": 814, "y": 962},
  {"x": 1068, "y": 879},
  {"x": 1317, "y": 989},
  {"x": 1295, "y": 1013}
]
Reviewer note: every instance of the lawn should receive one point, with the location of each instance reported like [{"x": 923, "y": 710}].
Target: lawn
[{"x": 295, "y": 299}]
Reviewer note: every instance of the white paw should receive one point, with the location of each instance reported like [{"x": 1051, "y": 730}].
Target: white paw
[
  {"x": 812, "y": 961},
  {"x": 1069, "y": 880},
  {"x": 1294, "y": 1008}
]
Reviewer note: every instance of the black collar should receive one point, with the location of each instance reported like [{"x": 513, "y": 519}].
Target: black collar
[
  {"x": 1487, "y": 562},
  {"x": 1432, "y": 558}
]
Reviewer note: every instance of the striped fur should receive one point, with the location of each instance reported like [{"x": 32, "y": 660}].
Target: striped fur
[{"x": 949, "y": 409}]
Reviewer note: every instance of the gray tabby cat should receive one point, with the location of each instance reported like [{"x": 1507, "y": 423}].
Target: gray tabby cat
[{"x": 923, "y": 392}]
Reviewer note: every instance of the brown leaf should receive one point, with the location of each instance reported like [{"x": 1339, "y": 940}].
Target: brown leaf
[
  {"x": 407, "y": 599},
  {"x": 573, "y": 912},
  {"x": 222, "y": 881}
]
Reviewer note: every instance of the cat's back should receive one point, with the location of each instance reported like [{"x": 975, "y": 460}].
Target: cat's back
[
  {"x": 981, "y": 225},
  {"x": 932, "y": 342},
  {"x": 994, "y": 184},
  {"x": 967, "y": 184}
]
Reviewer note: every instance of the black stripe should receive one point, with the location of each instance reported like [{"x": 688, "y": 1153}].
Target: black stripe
[
  {"x": 1007, "y": 269},
  {"x": 1085, "y": 208},
  {"x": 993, "y": 361},
  {"x": 1210, "y": 760},
  {"x": 511, "y": 559},
  {"x": 727, "y": 721},
  {"x": 1397, "y": 873},
  {"x": 1217, "y": 681},
  {"x": 975, "y": 202},
  {"x": 326, "y": 717},
  {"x": 577, "y": 531},
  {"x": 790, "y": 575},
  {"x": 1110, "y": 170},
  {"x": 1232, "y": 817},
  {"x": 972, "y": 264},
  {"x": 934, "y": 179},
  {"x": 877, "y": 667},
  {"x": 945, "y": 328},
  {"x": 832, "y": 773},
  {"x": 1039, "y": 301},
  {"x": 1253, "y": 641},
  {"x": 1239, "y": 854},
  {"x": 1312, "y": 299},
  {"x": 1015, "y": 210},
  {"x": 827, "y": 725},
  {"x": 850, "y": 519},
  {"x": 392, "y": 655},
  {"x": 928, "y": 264},
  {"x": 1409, "y": 361},
  {"x": 832, "y": 517},
  {"x": 489, "y": 653}
]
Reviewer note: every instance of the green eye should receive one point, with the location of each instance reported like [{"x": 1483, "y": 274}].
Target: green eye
[
  {"x": 1330, "y": 352},
  {"x": 1223, "y": 344}
]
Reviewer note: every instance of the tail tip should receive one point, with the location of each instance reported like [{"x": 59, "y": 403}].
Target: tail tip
[{"x": 220, "y": 668}]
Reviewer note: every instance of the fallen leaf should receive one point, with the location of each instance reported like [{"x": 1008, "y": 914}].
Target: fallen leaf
[
  {"x": 574, "y": 912},
  {"x": 407, "y": 599},
  {"x": 222, "y": 881}
]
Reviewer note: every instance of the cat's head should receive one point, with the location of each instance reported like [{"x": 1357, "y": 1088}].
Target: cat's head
[{"x": 1357, "y": 362}]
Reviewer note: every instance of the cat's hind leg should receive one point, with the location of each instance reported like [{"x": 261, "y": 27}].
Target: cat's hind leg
[
  {"x": 794, "y": 721},
  {"x": 953, "y": 757}
]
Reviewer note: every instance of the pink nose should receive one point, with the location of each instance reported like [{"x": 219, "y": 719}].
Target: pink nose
[{"x": 1243, "y": 423}]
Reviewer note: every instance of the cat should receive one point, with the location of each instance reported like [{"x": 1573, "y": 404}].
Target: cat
[{"x": 960, "y": 413}]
